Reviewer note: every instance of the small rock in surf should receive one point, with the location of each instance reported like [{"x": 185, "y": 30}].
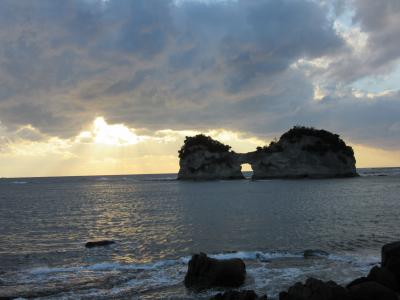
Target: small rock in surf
[{"x": 98, "y": 243}]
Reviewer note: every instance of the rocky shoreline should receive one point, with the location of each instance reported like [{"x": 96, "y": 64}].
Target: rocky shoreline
[
  {"x": 381, "y": 283},
  {"x": 301, "y": 152}
]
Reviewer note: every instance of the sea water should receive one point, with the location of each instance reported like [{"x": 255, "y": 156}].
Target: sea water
[{"x": 158, "y": 222}]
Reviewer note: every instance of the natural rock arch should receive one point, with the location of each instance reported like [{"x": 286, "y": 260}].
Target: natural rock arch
[{"x": 300, "y": 152}]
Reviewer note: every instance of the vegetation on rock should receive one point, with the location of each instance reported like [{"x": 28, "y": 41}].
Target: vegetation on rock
[
  {"x": 273, "y": 147},
  {"x": 201, "y": 140},
  {"x": 327, "y": 141}
]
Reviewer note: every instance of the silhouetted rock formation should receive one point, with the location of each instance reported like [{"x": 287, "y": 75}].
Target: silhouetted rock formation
[
  {"x": 206, "y": 272},
  {"x": 391, "y": 258},
  {"x": 238, "y": 295},
  {"x": 314, "y": 289},
  {"x": 382, "y": 283},
  {"x": 371, "y": 291},
  {"x": 381, "y": 275},
  {"x": 301, "y": 152}
]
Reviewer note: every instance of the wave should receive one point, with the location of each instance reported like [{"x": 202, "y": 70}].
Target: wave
[
  {"x": 256, "y": 256},
  {"x": 267, "y": 270},
  {"x": 107, "y": 266}
]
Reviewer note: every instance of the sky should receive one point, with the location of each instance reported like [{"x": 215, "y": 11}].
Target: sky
[{"x": 90, "y": 87}]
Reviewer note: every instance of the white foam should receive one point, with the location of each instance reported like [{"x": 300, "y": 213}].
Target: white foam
[
  {"x": 245, "y": 255},
  {"x": 266, "y": 272},
  {"x": 256, "y": 255},
  {"x": 108, "y": 266}
]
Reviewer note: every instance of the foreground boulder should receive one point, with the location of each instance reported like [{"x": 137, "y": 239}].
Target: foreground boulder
[
  {"x": 391, "y": 258},
  {"x": 314, "y": 289},
  {"x": 371, "y": 291},
  {"x": 301, "y": 152},
  {"x": 385, "y": 277},
  {"x": 99, "y": 243},
  {"x": 238, "y": 295},
  {"x": 381, "y": 282},
  {"x": 206, "y": 272},
  {"x": 379, "y": 275}
]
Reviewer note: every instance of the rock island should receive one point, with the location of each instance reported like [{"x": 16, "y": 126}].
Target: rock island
[{"x": 301, "y": 152}]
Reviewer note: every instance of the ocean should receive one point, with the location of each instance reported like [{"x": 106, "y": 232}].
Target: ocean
[{"x": 158, "y": 222}]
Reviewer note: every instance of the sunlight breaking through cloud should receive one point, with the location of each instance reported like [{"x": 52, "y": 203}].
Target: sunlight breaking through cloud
[{"x": 106, "y": 134}]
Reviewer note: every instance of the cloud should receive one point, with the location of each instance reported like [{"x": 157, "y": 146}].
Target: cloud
[
  {"x": 373, "y": 37},
  {"x": 58, "y": 58},
  {"x": 244, "y": 66}
]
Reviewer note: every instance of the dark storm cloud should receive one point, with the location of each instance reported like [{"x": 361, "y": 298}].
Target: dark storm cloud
[{"x": 156, "y": 64}]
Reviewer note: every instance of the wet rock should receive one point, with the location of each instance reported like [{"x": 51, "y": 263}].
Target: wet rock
[
  {"x": 357, "y": 281},
  {"x": 390, "y": 250},
  {"x": 238, "y": 295},
  {"x": 384, "y": 276},
  {"x": 99, "y": 243},
  {"x": 206, "y": 272},
  {"x": 309, "y": 253},
  {"x": 315, "y": 289},
  {"x": 391, "y": 258},
  {"x": 371, "y": 291}
]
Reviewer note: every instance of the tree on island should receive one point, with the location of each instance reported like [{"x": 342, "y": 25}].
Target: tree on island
[
  {"x": 327, "y": 141},
  {"x": 201, "y": 140}
]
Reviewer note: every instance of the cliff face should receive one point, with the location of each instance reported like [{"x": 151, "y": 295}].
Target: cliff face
[
  {"x": 301, "y": 152},
  {"x": 202, "y": 158},
  {"x": 306, "y": 157}
]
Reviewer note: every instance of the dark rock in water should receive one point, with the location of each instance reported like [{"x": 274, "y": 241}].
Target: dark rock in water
[
  {"x": 238, "y": 295},
  {"x": 385, "y": 277},
  {"x": 391, "y": 258},
  {"x": 315, "y": 289},
  {"x": 99, "y": 243},
  {"x": 371, "y": 291},
  {"x": 206, "y": 272},
  {"x": 309, "y": 253}
]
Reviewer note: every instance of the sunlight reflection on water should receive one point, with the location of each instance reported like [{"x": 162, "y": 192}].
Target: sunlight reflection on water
[{"x": 45, "y": 223}]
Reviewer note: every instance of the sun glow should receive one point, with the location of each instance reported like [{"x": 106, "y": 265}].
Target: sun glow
[
  {"x": 116, "y": 148},
  {"x": 106, "y": 134}
]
